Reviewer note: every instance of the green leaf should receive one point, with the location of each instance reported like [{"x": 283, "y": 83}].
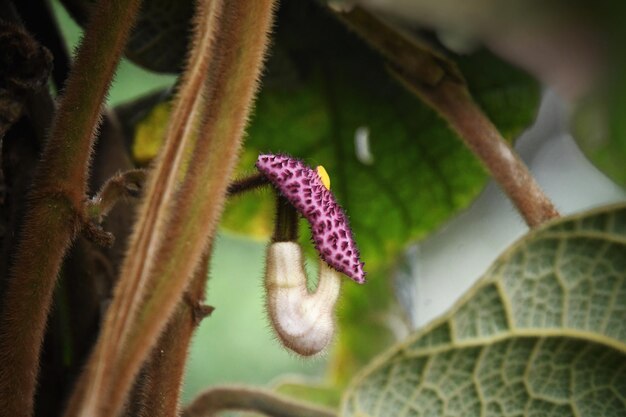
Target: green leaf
[
  {"x": 420, "y": 175},
  {"x": 598, "y": 124},
  {"x": 599, "y": 128},
  {"x": 541, "y": 334},
  {"x": 323, "y": 84}
]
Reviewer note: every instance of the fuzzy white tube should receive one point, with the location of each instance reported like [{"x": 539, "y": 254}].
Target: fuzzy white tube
[{"x": 304, "y": 321}]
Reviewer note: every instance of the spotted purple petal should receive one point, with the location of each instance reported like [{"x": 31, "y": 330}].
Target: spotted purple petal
[{"x": 303, "y": 187}]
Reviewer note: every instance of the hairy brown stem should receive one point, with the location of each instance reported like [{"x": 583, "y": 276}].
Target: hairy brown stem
[
  {"x": 53, "y": 214},
  {"x": 166, "y": 367},
  {"x": 286, "y": 224},
  {"x": 236, "y": 65},
  {"x": 216, "y": 400},
  {"x": 116, "y": 189},
  {"x": 247, "y": 184},
  {"x": 158, "y": 268},
  {"x": 92, "y": 392},
  {"x": 440, "y": 84},
  {"x": 153, "y": 214}
]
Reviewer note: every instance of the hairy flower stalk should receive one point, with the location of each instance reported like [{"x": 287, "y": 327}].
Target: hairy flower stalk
[{"x": 304, "y": 320}]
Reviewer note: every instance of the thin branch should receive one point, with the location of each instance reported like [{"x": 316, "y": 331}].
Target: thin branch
[
  {"x": 120, "y": 186},
  {"x": 158, "y": 268},
  {"x": 53, "y": 215},
  {"x": 438, "y": 82},
  {"x": 247, "y": 184},
  {"x": 216, "y": 400},
  {"x": 412, "y": 55}
]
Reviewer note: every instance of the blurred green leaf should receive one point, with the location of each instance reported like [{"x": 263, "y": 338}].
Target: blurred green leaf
[
  {"x": 542, "y": 333},
  {"x": 599, "y": 127},
  {"x": 598, "y": 123},
  {"x": 323, "y": 85}
]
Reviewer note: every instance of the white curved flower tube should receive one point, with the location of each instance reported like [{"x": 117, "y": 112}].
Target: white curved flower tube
[{"x": 303, "y": 320}]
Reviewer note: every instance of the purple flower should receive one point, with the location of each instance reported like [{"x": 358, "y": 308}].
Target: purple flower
[{"x": 303, "y": 187}]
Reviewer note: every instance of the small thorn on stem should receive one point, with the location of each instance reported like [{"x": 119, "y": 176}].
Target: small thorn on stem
[{"x": 199, "y": 310}]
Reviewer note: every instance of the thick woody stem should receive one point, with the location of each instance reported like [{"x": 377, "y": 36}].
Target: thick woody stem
[
  {"x": 216, "y": 400},
  {"x": 55, "y": 207}
]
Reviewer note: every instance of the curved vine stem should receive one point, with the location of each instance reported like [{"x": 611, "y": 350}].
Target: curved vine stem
[{"x": 213, "y": 401}]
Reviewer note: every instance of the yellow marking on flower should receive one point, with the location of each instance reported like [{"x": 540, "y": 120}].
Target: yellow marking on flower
[{"x": 323, "y": 176}]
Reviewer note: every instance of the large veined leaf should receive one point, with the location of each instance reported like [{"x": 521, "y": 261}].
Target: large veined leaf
[{"x": 543, "y": 333}]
